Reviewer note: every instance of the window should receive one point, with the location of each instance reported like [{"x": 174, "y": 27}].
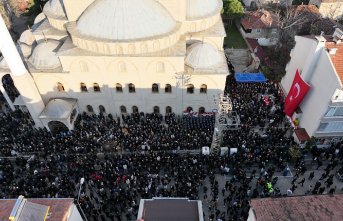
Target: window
[
  {"x": 132, "y": 88},
  {"x": 160, "y": 67},
  {"x": 156, "y": 110},
  {"x": 168, "y": 88},
  {"x": 190, "y": 89},
  {"x": 132, "y": 49},
  {"x": 60, "y": 87},
  {"x": 201, "y": 110},
  {"x": 258, "y": 30},
  {"x": 102, "y": 109},
  {"x": 83, "y": 87},
  {"x": 168, "y": 110},
  {"x": 274, "y": 30},
  {"x": 156, "y": 45},
  {"x": 135, "y": 109},
  {"x": 90, "y": 109},
  {"x": 154, "y": 88},
  {"x": 123, "y": 109},
  {"x": 119, "y": 49},
  {"x": 96, "y": 87},
  {"x": 203, "y": 89},
  {"x": 144, "y": 48},
  {"x": 119, "y": 88}
]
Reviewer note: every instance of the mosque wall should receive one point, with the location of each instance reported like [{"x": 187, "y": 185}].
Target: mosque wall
[{"x": 143, "y": 72}]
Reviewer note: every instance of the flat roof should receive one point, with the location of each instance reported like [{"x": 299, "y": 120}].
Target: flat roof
[
  {"x": 59, "y": 208},
  {"x": 299, "y": 208},
  {"x": 170, "y": 210}
]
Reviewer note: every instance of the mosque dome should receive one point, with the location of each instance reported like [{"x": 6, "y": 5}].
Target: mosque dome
[
  {"x": 3, "y": 63},
  {"x": 202, "y": 56},
  {"x": 40, "y": 17},
  {"x": 201, "y": 8},
  {"x": 123, "y": 20},
  {"x": 27, "y": 37},
  {"x": 44, "y": 55},
  {"x": 54, "y": 8}
]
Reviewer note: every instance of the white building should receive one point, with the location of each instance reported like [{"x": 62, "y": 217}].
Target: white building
[
  {"x": 320, "y": 61},
  {"x": 118, "y": 56}
]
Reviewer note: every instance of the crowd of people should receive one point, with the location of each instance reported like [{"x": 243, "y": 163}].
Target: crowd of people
[{"x": 124, "y": 159}]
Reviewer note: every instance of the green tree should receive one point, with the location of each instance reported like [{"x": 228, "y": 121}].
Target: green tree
[{"x": 232, "y": 9}]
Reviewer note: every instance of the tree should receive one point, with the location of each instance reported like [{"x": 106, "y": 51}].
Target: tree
[{"x": 232, "y": 9}]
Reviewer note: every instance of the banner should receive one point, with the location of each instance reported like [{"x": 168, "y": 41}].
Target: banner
[{"x": 296, "y": 94}]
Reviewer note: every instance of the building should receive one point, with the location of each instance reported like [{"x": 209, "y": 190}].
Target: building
[
  {"x": 329, "y": 8},
  {"x": 181, "y": 209},
  {"x": 118, "y": 57},
  {"x": 261, "y": 25},
  {"x": 319, "y": 59},
  {"x": 299, "y": 208},
  {"x": 39, "y": 210}
]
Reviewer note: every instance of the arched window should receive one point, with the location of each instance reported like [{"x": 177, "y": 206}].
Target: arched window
[
  {"x": 144, "y": 48},
  {"x": 119, "y": 49},
  {"x": 168, "y": 88},
  {"x": 60, "y": 87},
  {"x": 160, "y": 67},
  {"x": 156, "y": 110},
  {"x": 135, "y": 109},
  {"x": 132, "y": 88},
  {"x": 168, "y": 110},
  {"x": 83, "y": 87},
  {"x": 119, "y": 88},
  {"x": 203, "y": 89},
  {"x": 123, "y": 109},
  {"x": 201, "y": 110},
  {"x": 90, "y": 109},
  {"x": 83, "y": 66},
  {"x": 102, "y": 109},
  {"x": 154, "y": 88},
  {"x": 156, "y": 45},
  {"x": 96, "y": 87},
  {"x": 190, "y": 88},
  {"x": 132, "y": 49},
  {"x": 122, "y": 67}
]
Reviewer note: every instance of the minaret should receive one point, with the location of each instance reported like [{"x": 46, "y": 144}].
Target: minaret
[{"x": 21, "y": 77}]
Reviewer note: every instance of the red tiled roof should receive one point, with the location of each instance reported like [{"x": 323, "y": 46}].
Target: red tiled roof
[
  {"x": 300, "y": 208},
  {"x": 337, "y": 58},
  {"x": 308, "y": 9},
  {"x": 259, "y": 19},
  {"x": 258, "y": 50},
  {"x": 301, "y": 134},
  {"x": 59, "y": 208}
]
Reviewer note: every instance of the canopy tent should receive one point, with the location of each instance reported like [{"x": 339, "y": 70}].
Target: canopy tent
[{"x": 250, "y": 77}]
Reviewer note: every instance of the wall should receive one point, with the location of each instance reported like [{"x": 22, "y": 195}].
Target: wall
[
  {"x": 141, "y": 71},
  {"x": 323, "y": 83}
]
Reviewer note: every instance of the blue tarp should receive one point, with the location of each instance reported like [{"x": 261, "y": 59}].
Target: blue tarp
[{"x": 250, "y": 77}]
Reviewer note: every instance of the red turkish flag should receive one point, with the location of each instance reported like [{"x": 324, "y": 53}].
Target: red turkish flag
[{"x": 296, "y": 94}]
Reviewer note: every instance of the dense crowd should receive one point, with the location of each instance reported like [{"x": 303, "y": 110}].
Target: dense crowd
[{"x": 127, "y": 158}]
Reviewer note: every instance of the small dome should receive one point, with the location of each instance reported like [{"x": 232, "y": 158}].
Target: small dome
[
  {"x": 201, "y": 8},
  {"x": 25, "y": 50},
  {"x": 202, "y": 56},
  {"x": 44, "y": 55},
  {"x": 3, "y": 63},
  {"x": 54, "y": 7},
  {"x": 27, "y": 37},
  {"x": 125, "y": 20},
  {"x": 40, "y": 17}
]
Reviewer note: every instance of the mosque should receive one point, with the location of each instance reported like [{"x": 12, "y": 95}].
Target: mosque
[{"x": 117, "y": 57}]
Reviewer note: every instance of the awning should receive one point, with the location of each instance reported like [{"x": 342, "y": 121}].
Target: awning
[
  {"x": 58, "y": 108},
  {"x": 250, "y": 77}
]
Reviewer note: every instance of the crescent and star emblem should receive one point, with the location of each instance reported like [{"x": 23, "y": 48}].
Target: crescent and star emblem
[{"x": 297, "y": 86}]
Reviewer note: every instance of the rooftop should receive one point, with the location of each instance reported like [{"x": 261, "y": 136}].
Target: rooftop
[
  {"x": 59, "y": 208},
  {"x": 259, "y": 19},
  {"x": 300, "y": 208},
  {"x": 337, "y": 58}
]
